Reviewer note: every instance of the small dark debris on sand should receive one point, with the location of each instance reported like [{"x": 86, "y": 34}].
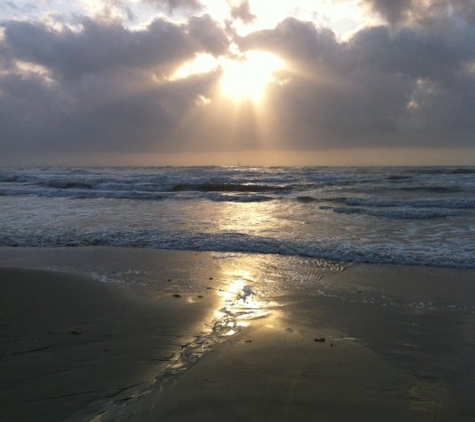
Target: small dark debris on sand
[
  {"x": 320, "y": 339},
  {"x": 176, "y": 295}
]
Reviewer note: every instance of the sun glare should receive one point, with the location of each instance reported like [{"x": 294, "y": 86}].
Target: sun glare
[
  {"x": 202, "y": 63},
  {"x": 247, "y": 79}
]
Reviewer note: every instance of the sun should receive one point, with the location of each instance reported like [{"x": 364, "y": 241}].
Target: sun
[{"x": 247, "y": 78}]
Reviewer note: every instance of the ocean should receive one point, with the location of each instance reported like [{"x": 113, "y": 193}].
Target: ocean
[
  {"x": 395, "y": 215},
  {"x": 118, "y": 328}
]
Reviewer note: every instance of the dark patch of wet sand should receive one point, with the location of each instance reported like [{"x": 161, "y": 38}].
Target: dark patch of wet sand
[{"x": 67, "y": 342}]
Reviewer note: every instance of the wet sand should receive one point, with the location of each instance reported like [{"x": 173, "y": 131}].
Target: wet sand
[
  {"x": 67, "y": 342},
  {"x": 199, "y": 336}
]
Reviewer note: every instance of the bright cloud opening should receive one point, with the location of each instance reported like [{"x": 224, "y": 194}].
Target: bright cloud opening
[
  {"x": 248, "y": 78},
  {"x": 202, "y": 63}
]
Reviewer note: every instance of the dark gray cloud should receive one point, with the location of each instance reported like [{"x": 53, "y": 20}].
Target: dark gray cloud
[
  {"x": 412, "y": 87},
  {"x": 99, "y": 113},
  {"x": 392, "y": 10},
  {"x": 422, "y": 11},
  {"x": 104, "y": 87},
  {"x": 208, "y": 34},
  {"x": 294, "y": 40},
  {"x": 101, "y": 88},
  {"x": 103, "y": 47}
]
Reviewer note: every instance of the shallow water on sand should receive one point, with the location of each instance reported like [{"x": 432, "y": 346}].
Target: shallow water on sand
[{"x": 419, "y": 320}]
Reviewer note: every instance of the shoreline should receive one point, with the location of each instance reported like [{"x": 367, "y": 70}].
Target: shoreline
[{"x": 234, "y": 342}]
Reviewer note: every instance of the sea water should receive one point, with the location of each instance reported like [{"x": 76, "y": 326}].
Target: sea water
[{"x": 399, "y": 215}]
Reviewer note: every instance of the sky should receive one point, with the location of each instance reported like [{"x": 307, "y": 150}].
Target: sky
[{"x": 237, "y": 82}]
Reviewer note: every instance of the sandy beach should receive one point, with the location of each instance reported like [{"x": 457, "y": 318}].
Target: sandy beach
[
  {"x": 110, "y": 334},
  {"x": 67, "y": 342}
]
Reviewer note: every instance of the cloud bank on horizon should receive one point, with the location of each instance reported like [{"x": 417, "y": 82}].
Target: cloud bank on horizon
[{"x": 135, "y": 78}]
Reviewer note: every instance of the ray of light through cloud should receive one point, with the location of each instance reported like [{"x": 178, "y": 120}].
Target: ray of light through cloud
[{"x": 173, "y": 76}]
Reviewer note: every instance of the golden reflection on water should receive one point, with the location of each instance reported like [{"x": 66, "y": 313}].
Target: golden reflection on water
[
  {"x": 254, "y": 218},
  {"x": 240, "y": 303}
]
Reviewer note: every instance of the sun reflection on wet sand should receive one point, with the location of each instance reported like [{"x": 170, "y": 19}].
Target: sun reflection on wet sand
[{"x": 240, "y": 304}]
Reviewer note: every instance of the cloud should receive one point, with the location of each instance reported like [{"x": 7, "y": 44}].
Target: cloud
[
  {"x": 208, "y": 34},
  {"x": 125, "y": 111},
  {"x": 293, "y": 39},
  {"x": 412, "y": 87},
  {"x": 103, "y": 47},
  {"x": 242, "y": 11},
  {"x": 172, "y": 5},
  {"x": 393, "y": 11},
  {"x": 102, "y": 87},
  {"x": 12, "y": 5},
  {"x": 422, "y": 11},
  {"x": 124, "y": 7}
]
